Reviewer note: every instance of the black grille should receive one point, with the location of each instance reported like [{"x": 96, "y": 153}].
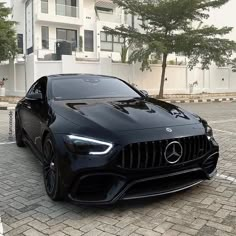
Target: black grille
[{"x": 149, "y": 155}]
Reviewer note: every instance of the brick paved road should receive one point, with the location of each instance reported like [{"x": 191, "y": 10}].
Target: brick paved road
[{"x": 208, "y": 209}]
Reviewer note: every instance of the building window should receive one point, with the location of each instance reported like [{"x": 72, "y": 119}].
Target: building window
[
  {"x": 44, "y": 6},
  {"x": 67, "y": 8},
  {"x": 20, "y": 43},
  {"x": 111, "y": 43},
  {"x": 69, "y": 36},
  {"x": 105, "y": 10},
  {"x": 88, "y": 41},
  {"x": 45, "y": 37}
]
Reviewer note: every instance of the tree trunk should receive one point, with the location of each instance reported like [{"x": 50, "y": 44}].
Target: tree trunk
[{"x": 164, "y": 64}]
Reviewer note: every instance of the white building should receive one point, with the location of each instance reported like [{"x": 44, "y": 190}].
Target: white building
[{"x": 45, "y": 25}]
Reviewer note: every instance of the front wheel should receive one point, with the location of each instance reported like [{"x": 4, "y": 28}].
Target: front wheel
[
  {"x": 51, "y": 171},
  {"x": 19, "y": 133}
]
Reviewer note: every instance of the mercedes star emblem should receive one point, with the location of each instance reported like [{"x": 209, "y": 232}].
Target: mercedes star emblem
[
  {"x": 169, "y": 130},
  {"x": 173, "y": 152}
]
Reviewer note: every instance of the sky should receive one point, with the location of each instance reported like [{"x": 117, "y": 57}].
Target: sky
[
  {"x": 7, "y": 1},
  {"x": 224, "y": 16}
]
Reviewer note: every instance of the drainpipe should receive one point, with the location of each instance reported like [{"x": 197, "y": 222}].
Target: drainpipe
[{"x": 25, "y": 66}]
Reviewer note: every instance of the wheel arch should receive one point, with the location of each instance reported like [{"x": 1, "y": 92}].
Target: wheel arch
[{"x": 45, "y": 133}]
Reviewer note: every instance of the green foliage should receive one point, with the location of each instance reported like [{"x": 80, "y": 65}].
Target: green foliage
[
  {"x": 124, "y": 52},
  {"x": 8, "y": 47},
  {"x": 232, "y": 63},
  {"x": 175, "y": 26}
]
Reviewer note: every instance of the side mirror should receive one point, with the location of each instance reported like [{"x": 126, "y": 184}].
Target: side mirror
[
  {"x": 144, "y": 92},
  {"x": 35, "y": 97}
]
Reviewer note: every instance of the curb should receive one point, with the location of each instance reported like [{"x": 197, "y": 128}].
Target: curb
[
  {"x": 209, "y": 100},
  {"x": 7, "y": 108}
]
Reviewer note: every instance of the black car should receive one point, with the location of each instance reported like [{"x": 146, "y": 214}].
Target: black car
[{"x": 101, "y": 140}]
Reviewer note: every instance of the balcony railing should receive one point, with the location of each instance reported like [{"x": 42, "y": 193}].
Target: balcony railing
[{"x": 65, "y": 10}]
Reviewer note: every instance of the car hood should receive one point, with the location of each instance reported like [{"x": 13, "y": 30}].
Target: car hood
[{"x": 123, "y": 114}]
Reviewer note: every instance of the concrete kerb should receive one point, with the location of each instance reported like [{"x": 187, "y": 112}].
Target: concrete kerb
[{"x": 205, "y": 100}]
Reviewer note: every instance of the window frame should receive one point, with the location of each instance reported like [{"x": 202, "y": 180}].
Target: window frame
[
  {"x": 20, "y": 43},
  {"x": 41, "y": 80},
  {"x": 66, "y": 4},
  {"x": 85, "y": 41},
  {"x": 76, "y": 35},
  {"x": 44, "y": 1},
  {"x": 45, "y": 27},
  {"x": 112, "y": 41}
]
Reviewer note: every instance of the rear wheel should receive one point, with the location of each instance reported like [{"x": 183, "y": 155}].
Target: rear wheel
[
  {"x": 19, "y": 133},
  {"x": 51, "y": 171}
]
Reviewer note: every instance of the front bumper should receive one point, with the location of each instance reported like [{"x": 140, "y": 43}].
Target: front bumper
[
  {"x": 107, "y": 188},
  {"x": 99, "y": 180}
]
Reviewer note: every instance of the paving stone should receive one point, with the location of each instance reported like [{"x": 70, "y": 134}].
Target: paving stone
[
  {"x": 72, "y": 232},
  {"x": 208, "y": 209},
  {"x": 147, "y": 232},
  {"x": 33, "y": 232},
  {"x": 184, "y": 229},
  {"x": 222, "y": 213},
  {"x": 38, "y": 225},
  {"x": 220, "y": 226},
  {"x": 17, "y": 231},
  {"x": 162, "y": 228},
  {"x": 108, "y": 228}
]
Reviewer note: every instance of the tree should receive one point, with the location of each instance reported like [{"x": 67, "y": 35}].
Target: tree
[
  {"x": 8, "y": 47},
  {"x": 232, "y": 63},
  {"x": 175, "y": 26}
]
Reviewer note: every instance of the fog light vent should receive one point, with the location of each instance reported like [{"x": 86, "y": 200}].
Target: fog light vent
[{"x": 210, "y": 164}]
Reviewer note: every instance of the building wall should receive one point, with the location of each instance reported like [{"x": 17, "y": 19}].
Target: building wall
[
  {"x": 47, "y": 68},
  {"x": 15, "y": 85},
  {"x": 179, "y": 79}
]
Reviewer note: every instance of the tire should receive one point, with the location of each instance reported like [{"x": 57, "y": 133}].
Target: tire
[
  {"x": 51, "y": 171},
  {"x": 19, "y": 133}
]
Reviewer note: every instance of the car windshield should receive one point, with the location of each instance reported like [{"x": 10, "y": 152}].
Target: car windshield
[{"x": 90, "y": 88}]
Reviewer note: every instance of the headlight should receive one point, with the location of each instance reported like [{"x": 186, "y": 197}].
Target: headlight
[
  {"x": 209, "y": 131},
  {"x": 87, "y": 146}
]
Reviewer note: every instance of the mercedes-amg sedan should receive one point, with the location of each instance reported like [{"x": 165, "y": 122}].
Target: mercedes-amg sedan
[{"x": 101, "y": 140}]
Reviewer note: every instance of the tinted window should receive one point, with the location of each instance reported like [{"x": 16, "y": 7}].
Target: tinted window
[
  {"x": 90, "y": 87},
  {"x": 39, "y": 87}
]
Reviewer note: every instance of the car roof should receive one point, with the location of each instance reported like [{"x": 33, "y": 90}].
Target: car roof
[{"x": 61, "y": 76}]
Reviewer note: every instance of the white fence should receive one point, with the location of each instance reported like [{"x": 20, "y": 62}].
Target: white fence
[{"x": 179, "y": 79}]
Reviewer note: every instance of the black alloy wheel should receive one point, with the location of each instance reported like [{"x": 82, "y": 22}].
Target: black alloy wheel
[
  {"x": 51, "y": 173},
  {"x": 19, "y": 133}
]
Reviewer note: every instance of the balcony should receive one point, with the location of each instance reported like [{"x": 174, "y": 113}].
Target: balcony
[
  {"x": 65, "y": 10},
  {"x": 58, "y": 14}
]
